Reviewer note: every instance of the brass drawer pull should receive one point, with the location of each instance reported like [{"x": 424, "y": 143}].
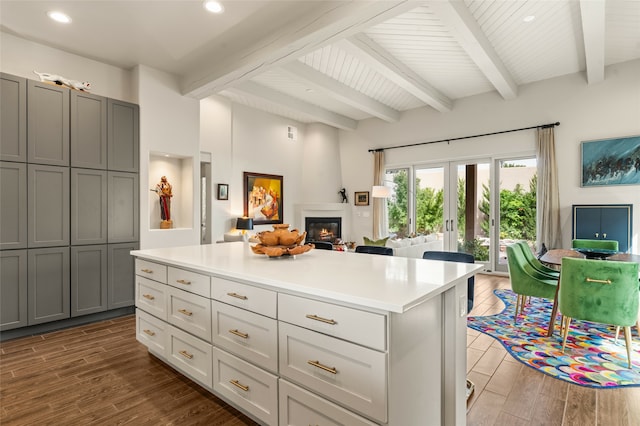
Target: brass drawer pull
[
  {"x": 325, "y": 320},
  {"x": 185, "y": 312},
  {"x": 148, "y": 296},
  {"x": 239, "y": 385},
  {"x": 323, "y": 367},
  {"x": 147, "y": 271},
  {"x": 186, "y": 354},
  {"x": 591, "y": 280},
  {"x": 149, "y": 332},
  {"x": 239, "y": 333},
  {"x": 185, "y": 282},
  {"x": 237, "y": 296}
]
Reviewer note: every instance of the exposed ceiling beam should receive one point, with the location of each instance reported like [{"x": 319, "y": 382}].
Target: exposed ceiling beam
[
  {"x": 266, "y": 94},
  {"x": 592, "y": 13},
  {"x": 341, "y": 92},
  {"x": 383, "y": 62},
  {"x": 466, "y": 30},
  {"x": 333, "y": 21}
]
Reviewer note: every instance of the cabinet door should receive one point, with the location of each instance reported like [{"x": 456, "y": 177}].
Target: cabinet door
[
  {"x": 48, "y": 124},
  {"x": 13, "y": 209},
  {"x": 48, "y": 205},
  {"x": 123, "y": 136},
  {"x": 615, "y": 224},
  {"x": 48, "y": 288},
  {"x": 123, "y": 207},
  {"x": 88, "y": 279},
  {"x": 88, "y": 130},
  {"x": 586, "y": 220},
  {"x": 121, "y": 276},
  {"x": 88, "y": 206},
  {"x": 13, "y": 116},
  {"x": 13, "y": 289}
]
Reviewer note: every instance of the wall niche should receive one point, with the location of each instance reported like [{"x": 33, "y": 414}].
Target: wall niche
[{"x": 179, "y": 173}]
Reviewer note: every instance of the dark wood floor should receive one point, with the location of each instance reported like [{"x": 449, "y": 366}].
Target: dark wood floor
[{"x": 99, "y": 374}]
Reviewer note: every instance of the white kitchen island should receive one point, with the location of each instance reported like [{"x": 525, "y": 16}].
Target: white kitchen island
[{"x": 326, "y": 337}]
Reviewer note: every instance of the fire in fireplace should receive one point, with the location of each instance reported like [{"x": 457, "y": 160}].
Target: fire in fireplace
[{"x": 323, "y": 228}]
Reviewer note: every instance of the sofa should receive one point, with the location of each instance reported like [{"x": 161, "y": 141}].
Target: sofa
[{"x": 416, "y": 246}]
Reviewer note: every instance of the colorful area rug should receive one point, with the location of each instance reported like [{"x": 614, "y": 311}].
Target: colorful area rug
[{"x": 592, "y": 358}]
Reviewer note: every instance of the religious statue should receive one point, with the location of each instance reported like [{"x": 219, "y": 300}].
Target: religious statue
[{"x": 163, "y": 189}]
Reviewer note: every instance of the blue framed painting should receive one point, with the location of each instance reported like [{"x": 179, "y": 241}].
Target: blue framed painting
[{"x": 613, "y": 161}]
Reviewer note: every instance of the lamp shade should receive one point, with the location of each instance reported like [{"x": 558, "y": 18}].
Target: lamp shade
[
  {"x": 379, "y": 191},
  {"x": 244, "y": 223}
]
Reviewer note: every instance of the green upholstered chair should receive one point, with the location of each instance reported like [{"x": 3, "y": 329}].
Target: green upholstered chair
[
  {"x": 526, "y": 281},
  {"x": 599, "y": 291},
  {"x": 595, "y": 244},
  {"x": 535, "y": 263}
]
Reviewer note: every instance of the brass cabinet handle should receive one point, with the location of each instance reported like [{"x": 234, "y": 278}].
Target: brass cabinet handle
[
  {"x": 185, "y": 312},
  {"x": 331, "y": 370},
  {"x": 592, "y": 280},
  {"x": 237, "y": 296},
  {"x": 148, "y": 296},
  {"x": 149, "y": 332},
  {"x": 185, "y": 282},
  {"x": 147, "y": 271},
  {"x": 325, "y": 320},
  {"x": 239, "y": 385},
  {"x": 239, "y": 333},
  {"x": 186, "y": 354}
]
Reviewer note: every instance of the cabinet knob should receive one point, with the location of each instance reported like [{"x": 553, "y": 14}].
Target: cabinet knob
[
  {"x": 597, "y": 234},
  {"x": 604, "y": 236}
]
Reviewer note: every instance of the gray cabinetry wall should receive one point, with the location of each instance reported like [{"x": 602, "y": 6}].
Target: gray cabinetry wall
[
  {"x": 88, "y": 279},
  {"x": 48, "y": 205},
  {"x": 88, "y": 130},
  {"x": 13, "y": 209},
  {"x": 47, "y": 124},
  {"x": 48, "y": 284},
  {"x": 88, "y": 206},
  {"x": 13, "y": 116},
  {"x": 13, "y": 291},
  {"x": 123, "y": 223},
  {"x": 123, "y": 135},
  {"x": 121, "y": 276}
]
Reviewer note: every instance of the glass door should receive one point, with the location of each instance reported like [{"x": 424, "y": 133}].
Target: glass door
[{"x": 430, "y": 197}]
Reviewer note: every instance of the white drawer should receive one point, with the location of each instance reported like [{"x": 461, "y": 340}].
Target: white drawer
[
  {"x": 244, "y": 296},
  {"x": 300, "y": 407},
  {"x": 190, "y": 312},
  {"x": 189, "y": 281},
  {"x": 251, "y": 336},
  {"x": 356, "y": 326},
  {"x": 151, "y": 297},
  {"x": 190, "y": 355},
  {"x": 151, "y": 270},
  {"x": 151, "y": 332},
  {"x": 250, "y": 388},
  {"x": 349, "y": 374}
]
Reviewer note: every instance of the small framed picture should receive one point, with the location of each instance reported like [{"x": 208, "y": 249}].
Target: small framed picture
[
  {"x": 223, "y": 191},
  {"x": 361, "y": 198}
]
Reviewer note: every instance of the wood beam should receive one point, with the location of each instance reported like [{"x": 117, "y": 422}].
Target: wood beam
[{"x": 592, "y": 13}]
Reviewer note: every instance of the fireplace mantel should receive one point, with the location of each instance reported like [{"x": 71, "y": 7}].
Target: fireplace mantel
[{"x": 342, "y": 210}]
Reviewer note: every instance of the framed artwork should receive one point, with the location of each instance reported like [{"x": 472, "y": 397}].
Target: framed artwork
[
  {"x": 223, "y": 191},
  {"x": 361, "y": 198},
  {"x": 263, "y": 198},
  {"x": 613, "y": 161}
]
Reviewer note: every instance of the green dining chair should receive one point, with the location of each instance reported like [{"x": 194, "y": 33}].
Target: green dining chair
[
  {"x": 526, "y": 281},
  {"x": 601, "y": 291},
  {"x": 535, "y": 263},
  {"x": 595, "y": 244}
]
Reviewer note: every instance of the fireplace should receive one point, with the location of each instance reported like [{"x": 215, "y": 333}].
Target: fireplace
[{"x": 323, "y": 228}]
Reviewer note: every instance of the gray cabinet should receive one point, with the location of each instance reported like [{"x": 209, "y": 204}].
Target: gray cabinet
[
  {"x": 88, "y": 206},
  {"x": 13, "y": 208},
  {"x": 88, "y": 279},
  {"x": 123, "y": 136},
  {"x": 48, "y": 284},
  {"x": 13, "y": 116},
  {"x": 123, "y": 222},
  {"x": 88, "y": 130},
  {"x": 13, "y": 289},
  {"x": 121, "y": 275},
  {"x": 48, "y": 205},
  {"x": 47, "y": 124}
]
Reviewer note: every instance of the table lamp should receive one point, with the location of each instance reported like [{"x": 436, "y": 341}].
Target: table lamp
[{"x": 244, "y": 224}]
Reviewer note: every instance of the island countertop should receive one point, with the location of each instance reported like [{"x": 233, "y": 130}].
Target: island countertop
[{"x": 373, "y": 282}]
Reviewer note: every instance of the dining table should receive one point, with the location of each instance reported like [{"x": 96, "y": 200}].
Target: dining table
[{"x": 554, "y": 258}]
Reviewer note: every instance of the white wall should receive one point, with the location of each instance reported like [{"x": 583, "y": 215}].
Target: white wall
[{"x": 586, "y": 112}]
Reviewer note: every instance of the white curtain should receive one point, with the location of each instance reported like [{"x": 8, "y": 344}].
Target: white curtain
[
  {"x": 548, "y": 206},
  {"x": 379, "y": 204}
]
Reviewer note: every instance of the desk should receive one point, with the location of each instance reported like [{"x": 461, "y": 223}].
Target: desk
[{"x": 554, "y": 258}]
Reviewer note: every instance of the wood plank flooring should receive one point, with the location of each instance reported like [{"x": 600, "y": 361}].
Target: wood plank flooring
[{"x": 99, "y": 374}]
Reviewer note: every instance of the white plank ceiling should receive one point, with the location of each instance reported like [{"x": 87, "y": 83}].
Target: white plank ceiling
[{"x": 338, "y": 62}]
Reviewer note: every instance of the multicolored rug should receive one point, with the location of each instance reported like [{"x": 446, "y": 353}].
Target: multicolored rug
[{"x": 592, "y": 358}]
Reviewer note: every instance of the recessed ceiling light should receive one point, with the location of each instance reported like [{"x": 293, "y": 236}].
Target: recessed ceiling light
[
  {"x": 214, "y": 6},
  {"x": 59, "y": 17},
  {"x": 529, "y": 18}
]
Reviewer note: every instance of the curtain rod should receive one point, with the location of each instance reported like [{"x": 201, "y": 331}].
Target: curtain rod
[{"x": 541, "y": 126}]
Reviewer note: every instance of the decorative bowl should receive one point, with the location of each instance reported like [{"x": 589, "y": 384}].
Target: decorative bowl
[{"x": 281, "y": 242}]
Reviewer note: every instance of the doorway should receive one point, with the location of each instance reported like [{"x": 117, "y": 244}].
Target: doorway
[{"x": 205, "y": 198}]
